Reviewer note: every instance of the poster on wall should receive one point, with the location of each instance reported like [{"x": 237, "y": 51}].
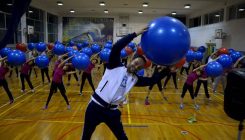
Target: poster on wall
[{"x": 92, "y": 29}]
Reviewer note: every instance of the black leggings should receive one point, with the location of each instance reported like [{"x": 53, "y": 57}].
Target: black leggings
[
  {"x": 96, "y": 114},
  {"x": 159, "y": 84},
  {"x": 186, "y": 70},
  {"x": 89, "y": 77},
  {"x": 4, "y": 83},
  {"x": 16, "y": 71},
  {"x": 62, "y": 89},
  {"x": 173, "y": 74},
  {"x": 33, "y": 70},
  {"x": 75, "y": 75},
  {"x": 205, "y": 85},
  {"x": 185, "y": 88},
  {"x": 19, "y": 8},
  {"x": 45, "y": 70},
  {"x": 22, "y": 78}
]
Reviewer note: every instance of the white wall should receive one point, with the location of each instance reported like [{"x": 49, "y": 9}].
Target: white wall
[{"x": 234, "y": 29}]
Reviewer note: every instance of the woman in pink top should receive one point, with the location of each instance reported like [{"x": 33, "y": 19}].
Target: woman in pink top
[
  {"x": 87, "y": 75},
  {"x": 58, "y": 83},
  {"x": 189, "y": 86},
  {"x": 24, "y": 74},
  {"x": 3, "y": 71}
]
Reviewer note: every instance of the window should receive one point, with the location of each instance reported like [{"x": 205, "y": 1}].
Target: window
[
  {"x": 2, "y": 20},
  {"x": 236, "y": 11},
  {"x": 214, "y": 17},
  {"x": 35, "y": 18},
  {"x": 195, "y": 22},
  {"x": 52, "y": 27}
]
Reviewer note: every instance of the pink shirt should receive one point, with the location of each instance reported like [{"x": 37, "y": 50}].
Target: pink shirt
[
  {"x": 191, "y": 78},
  {"x": 58, "y": 73},
  {"x": 89, "y": 69},
  {"x": 3, "y": 71},
  {"x": 25, "y": 69}
]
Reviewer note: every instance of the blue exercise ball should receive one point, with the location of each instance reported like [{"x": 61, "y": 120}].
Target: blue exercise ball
[
  {"x": 166, "y": 41},
  {"x": 214, "y": 69},
  {"x": 59, "y": 49},
  {"x": 85, "y": 44},
  {"x": 79, "y": 46},
  {"x": 105, "y": 54},
  {"x": 57, "y": 42},
  {"x": 72, "y": 52},
  {"x": 87, "y": 51},
  {"x": 16, "y": 58},
  {"x": 31, "y": 46},
  {"x": 95, "y": 48},
  {"x": 235, "y": 56},
  {"x": 198, "y": 56},
  {"x": 41, "y": 46},
  {"x": 108, "y": 45},
  {"x": 201, "y": 49},
  {"x": 81, "y": 61},
  {"x": 5, "y": 51},
  {"x": 190, "y": 56},
  {"x": 68, "y": 49},
  {"x": 71, "y": 43},
  {"x": 42, "y": 61},
  {"x": 123, "y": 53},
  {"x": 132, "y": 45},
  {"x": 231, "y": 50},
  {"x": 140, "y": 72},
  {"x": 109, "y": 41},
  {"x": 225, "y": 60}
]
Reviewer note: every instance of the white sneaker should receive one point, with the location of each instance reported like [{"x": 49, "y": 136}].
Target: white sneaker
[
  {"x": 197, "y": 107},
  {"x": 22, "y": 91},
  {"x": 32, "y": 90},
  {"x": 181, "y": 106},
  {"x": 68, "y": 107}
]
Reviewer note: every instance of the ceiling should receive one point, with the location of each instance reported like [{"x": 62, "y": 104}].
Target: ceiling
[{"x": 126, "y": 7}]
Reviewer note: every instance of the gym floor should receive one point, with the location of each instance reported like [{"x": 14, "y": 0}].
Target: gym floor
[{"x": 162, "y": 119}]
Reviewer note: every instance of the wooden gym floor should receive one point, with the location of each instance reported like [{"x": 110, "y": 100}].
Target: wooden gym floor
[{"x": 160, "y": 120}]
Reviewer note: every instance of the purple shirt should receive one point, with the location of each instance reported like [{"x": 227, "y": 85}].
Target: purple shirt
[
  {"x": 58, "y": 73},
  {"x": 89, "y": 69},
  {"x": 3, "y": 71},
  {"x": 204, "y": 74},
  {"x": 191, "y": 78},
  {"x": 56, "y": 65},
  {"x": 25, "y": 69}
]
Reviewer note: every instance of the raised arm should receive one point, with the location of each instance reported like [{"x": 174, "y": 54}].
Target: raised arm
[{"x": 63, "y": 62}]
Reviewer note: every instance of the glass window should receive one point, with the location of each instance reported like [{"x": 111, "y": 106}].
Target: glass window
[
  {"x": 2, "y": 33},
  {"x": 195, "y": 22},
  {"x": 232, "y": 12},
  {"x": 206, "y": 19},
  {"x": 4, "y": 7},
  {"x": 241, "y": 11},
  {"x": 52, "y": 27},
  {"x": 2, "y": 20}
]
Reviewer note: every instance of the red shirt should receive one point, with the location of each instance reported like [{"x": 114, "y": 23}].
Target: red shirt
[
  {"x": 90, "y": 68},
  {"x": 58, "y": 73},
  {"x": 25, "y": 69}
]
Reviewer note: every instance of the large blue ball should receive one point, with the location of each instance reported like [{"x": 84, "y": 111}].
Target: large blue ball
[
  {"x": 109, "y": 41},
  {"x": 68, "y": 49},
  {"x": 85, "y": 44},
  {"x": 225, "y": 60},
  {"x": 72, "y": 52},
  {"x": 5, "y": 51},
  {"x": 16, "y": 58},
  {"x": 41, "y": 46},
  {"x": 95, "y": 48},
  {"x": 105, "y": 54},
  {"x": 31, "y": 46},
  {"x": 108, "y": 45},
  {"x": 190, "y": 56},
  {"x": 231, "y": 50},
  {"x": 235, "y": 56},
  {"x": 198, "y": 56},
  {"x": 79, "y": 46},
  {"x": 140, "y": 72},
  {"x": 42, "y": 61},
  {"x": 201, "y": 49},
  {"x": 87, "y": 51},
  {"x": 71, "y": 43},
  {"x": 166, "y": 42},
  {"x": 123, "y": 53},
  {"x": 132, "y": 45},
  {"x": 80, "y": 61},
  {"x": 214, "y": 69},
  {"x": 59, "y": 49}
]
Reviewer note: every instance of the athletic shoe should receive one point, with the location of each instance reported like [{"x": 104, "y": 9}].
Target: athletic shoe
[
  {"x": 80, "y": 93},
  {"x": 68, "y": 107},
  {"x": 22, "y": 91},
  {"x": 45, "y": 107},
  {"x": 197, "y": 107},
  {"x": 181, "y": 106},
  {"x": 11, "y": 101},
  {"x": 147, "y": 102},
  {"x": 32, "y": 90}
]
